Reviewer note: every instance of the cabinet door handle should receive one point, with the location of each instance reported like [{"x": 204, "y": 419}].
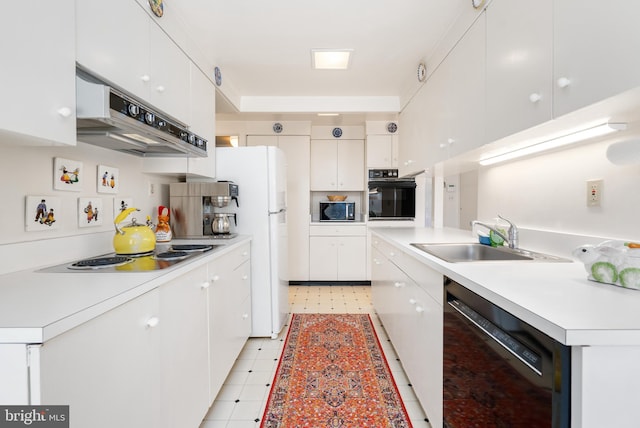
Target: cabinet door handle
[
  {"x": 215, "y": 278},
  {"x": 245, "y": 316},
  {"x": 419, "y": 309},
  {"x": 413, "y": 301},
  {"x": 145, "y": 78},
  {"x": 563, "y": 82},
  {"x": 245, "y": 277},
  {"x": 160, "y": 89},
  {"x": 152, "y": 322},
  {"x": 64, "y": 112},
  {"x": 535, "y": 97},
  {"x": 245, "y": 254},
  {"x": 205, "y": 285},
  {"x": 392, "y": 254},
  {"x": 398, "y": 284},
  {"x": 376, "y": 261}
]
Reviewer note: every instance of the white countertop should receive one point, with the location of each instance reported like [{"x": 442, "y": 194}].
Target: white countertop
[
  {"x": 36, "y": 306},
  {"x": 556, "y": 298}
]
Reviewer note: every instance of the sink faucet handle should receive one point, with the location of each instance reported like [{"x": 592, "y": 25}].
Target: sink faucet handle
[
  {"x": 511, "y": 224},
  {"x": 512, "y": 232}
]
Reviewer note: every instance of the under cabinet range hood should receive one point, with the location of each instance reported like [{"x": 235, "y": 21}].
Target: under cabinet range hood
[{"x": 110, "y": 118}]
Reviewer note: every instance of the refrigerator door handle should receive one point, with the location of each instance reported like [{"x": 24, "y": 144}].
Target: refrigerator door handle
[{"x": 281, "y": 210}]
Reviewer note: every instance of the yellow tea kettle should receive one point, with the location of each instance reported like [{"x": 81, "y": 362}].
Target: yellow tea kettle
[{"x": 132, "y": 238}]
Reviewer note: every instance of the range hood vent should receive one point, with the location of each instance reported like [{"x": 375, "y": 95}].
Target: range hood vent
[{"x": 112, "y": 119}]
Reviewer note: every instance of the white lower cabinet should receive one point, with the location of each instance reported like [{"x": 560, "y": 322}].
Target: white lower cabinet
[
  {"x": 412, "y": 318},
  {"x": 229, "y": 313},
  {"x": 184, "y": 347},
  {"x": 156, "y": 361},
  {"x": 107, "y": 370},
  {"x": 338, "y": 253}
]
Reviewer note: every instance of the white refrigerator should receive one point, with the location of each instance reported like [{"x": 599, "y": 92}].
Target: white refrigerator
[{"x": 260, "y": 173}]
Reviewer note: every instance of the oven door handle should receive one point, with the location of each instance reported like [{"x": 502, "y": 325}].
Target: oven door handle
[{"x": 509, "y": 343}]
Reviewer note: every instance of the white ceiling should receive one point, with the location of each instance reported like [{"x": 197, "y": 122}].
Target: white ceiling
[{"x": 263, "y": 47}]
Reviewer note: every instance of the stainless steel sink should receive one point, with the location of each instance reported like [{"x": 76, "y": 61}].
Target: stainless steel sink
[{"x": 474, "y": 252}]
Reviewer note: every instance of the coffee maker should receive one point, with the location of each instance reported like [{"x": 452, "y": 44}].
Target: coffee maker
[{"x": 194, "y": 205}]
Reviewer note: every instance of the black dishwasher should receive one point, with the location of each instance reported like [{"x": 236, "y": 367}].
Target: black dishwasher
[{"x": 498, "y": 370}]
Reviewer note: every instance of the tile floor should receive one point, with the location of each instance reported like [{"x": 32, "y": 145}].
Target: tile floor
[{"x": 242, "y": 399}]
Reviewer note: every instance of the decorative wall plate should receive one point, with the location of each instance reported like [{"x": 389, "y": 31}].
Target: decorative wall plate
[
  {"x": 392, "y": 127},
  {"x": 422, "y": 72},
  {"x": 157, "y": 7},
  {"x": 337, "y": 132},
  {"x": 217, "y": 74},
  {"x": 277, "y": 127}
]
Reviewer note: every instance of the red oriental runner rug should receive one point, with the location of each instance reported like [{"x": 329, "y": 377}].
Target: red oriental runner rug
[{"x": 333, "y": 374}]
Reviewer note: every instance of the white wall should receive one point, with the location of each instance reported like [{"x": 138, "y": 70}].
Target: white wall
[
  {"x": 28, "y": 171},
  {"x": 548, "y": 193}
]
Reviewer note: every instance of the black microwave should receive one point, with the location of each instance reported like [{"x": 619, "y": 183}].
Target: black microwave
[{"x": 337, "y": 211}]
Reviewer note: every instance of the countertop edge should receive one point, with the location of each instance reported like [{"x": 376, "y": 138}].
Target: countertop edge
[
  {"x": 570, "y": 336},
  {"x": 148, "y": 282}
]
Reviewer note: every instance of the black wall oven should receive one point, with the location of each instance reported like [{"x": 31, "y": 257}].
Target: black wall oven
[
  {"x": 498, "y": 370},
  {"x": 391, "y": 197}
]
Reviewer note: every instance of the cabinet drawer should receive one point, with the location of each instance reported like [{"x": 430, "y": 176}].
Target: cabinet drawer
[
  {"x": 338, "y": 230},
  {"x": 238, "y": 256},
  {"x": 426, "y": 278},
  {"x": 385, "y": 248}
]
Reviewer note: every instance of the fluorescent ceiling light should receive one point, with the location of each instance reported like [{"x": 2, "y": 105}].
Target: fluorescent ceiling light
[
  {"x": 330, "y": 59},
  {"x": 564, "y": 140}
]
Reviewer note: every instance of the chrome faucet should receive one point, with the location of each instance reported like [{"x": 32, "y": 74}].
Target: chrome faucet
[{"x": 512, "y": 233}]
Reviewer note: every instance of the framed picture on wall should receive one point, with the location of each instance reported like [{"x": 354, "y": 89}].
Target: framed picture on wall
[
  {"x": 121, "y": 204},
  {"x": 42, "y": 213},
  {"x": 108, "y": 179},
  {"x": 90, "y": 212},
  {"x": 67, "y": 175}
]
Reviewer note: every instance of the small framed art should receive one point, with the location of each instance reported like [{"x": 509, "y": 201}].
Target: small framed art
[
  {"x": 108, "y": 179},
  {"x": 41, "y": 213},
  {"x": 67, "y": 174}
]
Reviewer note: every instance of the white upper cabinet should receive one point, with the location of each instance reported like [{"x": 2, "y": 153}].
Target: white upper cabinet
[
  {"x": 202, "y": 119},
  {"x": 382, "y": 151},
  {"x": 119, "y": 54},
  {"x": 596, "y": 49},
  {"x": 38, "y": 71},
  {"x": 466, "y": 91},
  {"x": 519, "y": 65},
  {"x": 337, "y": 165},
  {"x": 136, "y": 55},
  {"x": 169, "y": 75}
]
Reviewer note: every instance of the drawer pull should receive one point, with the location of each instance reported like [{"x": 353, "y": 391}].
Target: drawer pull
[
  {"x": 419, "y": 309},
  {"x": 145, "y": 78},
  {"x": 563, "y": 82},
  {"x": 399, "y": 284},
  {"x": 64, "y": 112},
  {"x": 152, "y": 322},
  {"x": 205, "y": 285},
  {"x": 413, "y": 301}
]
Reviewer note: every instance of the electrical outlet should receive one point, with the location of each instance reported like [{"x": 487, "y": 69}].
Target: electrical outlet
[{"x": 594, "y": 192}]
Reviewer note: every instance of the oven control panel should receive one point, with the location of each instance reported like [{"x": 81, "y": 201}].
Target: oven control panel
[{"x": 383, "y": 173}]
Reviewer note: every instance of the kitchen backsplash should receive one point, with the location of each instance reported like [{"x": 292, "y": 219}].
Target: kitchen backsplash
[
  {"x": 549, "y": 193},
  {"x": 29, "y": 171}
]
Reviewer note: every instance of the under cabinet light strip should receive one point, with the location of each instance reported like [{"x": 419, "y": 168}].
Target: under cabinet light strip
[{"x": 564, "y": 140}]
